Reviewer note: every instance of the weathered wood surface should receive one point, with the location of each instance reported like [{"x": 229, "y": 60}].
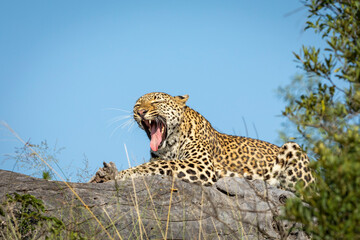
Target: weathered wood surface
[{"x": 138, "y": 208}]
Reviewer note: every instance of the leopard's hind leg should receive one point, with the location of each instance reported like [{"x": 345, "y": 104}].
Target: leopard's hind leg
[{"x": 292, "y": 166}]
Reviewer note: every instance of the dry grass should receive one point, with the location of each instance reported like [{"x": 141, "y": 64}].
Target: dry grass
[{"x": 59, "y": 176}]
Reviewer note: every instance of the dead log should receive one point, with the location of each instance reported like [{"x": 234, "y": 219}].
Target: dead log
[{"x": 154, "y": 207}]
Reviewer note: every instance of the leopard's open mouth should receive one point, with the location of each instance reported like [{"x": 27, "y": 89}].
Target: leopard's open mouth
[{"x": 156, "y": 131}]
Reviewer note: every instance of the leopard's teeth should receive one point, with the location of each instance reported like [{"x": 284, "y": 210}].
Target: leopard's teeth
[
  {"x": 150, "y": 122},
  {"x": 162, "y": 130}
]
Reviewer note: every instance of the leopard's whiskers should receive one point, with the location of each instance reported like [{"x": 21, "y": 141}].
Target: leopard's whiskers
[
  {"x": 118, "y": 109},
  {"x": 118, "y": 119},
  {"x": 115, "y": 121},
  {"x": 127, "y": 124}
]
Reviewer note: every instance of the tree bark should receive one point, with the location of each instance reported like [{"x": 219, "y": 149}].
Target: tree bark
[{"x": 157, "y": 207}]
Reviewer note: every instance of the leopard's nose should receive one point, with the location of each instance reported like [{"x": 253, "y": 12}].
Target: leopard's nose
[{"x": 142, "y": 112}]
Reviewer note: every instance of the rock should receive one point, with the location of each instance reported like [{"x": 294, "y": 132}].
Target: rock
[{"x": 159, "y": 207}]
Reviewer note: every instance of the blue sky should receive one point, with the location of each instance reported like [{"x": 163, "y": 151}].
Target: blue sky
[{"x": 65, "y": 64}]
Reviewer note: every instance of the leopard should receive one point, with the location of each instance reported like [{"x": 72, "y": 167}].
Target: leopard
[{"x": 184, "y": 145}]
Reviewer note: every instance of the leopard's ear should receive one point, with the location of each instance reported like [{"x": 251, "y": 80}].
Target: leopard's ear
[{"x": 182, "y": 99}]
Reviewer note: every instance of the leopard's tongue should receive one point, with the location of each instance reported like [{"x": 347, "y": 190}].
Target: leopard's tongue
[{"x": 156, "y": 137}]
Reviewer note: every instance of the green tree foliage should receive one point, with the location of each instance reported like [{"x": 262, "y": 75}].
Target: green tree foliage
[
  {"x": 24, "y": 215},
  {"x": 326, "y": 113}
]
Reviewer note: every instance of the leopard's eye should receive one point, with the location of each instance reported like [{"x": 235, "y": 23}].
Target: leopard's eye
[{"x": 158, "y": 101}]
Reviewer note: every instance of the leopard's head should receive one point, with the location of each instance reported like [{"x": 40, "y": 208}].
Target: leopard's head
[{"x": 159, "y": 114}]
